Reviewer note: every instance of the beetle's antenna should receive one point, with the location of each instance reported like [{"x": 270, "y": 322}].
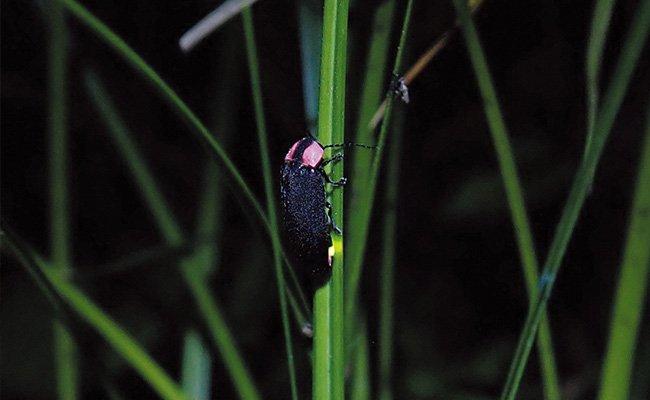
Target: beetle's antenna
[{"x": 349, "y": 144}]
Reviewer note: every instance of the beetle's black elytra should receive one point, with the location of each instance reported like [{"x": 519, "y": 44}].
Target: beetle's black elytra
[
  {"x": 305, "y": 211},
  {"x": 304, "y": 207}
]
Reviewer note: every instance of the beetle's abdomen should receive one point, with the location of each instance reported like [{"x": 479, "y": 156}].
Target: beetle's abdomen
[{"x": 304, "y": 214}]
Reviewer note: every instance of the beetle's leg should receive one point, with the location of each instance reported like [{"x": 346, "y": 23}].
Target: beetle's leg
[
  {"x": 332, "y": 223},
  {"x": 335, "y": 158},
  {"x": 340, "y": 182}
]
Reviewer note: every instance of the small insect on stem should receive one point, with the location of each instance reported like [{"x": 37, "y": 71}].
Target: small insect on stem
[
  {"x": 399, "y": 88},
  {"x": 306, "y": 213}
]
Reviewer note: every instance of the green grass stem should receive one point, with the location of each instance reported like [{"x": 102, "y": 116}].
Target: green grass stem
[
  {"x": 514, "y": 192},
  {"x": 329, "y": 350},
  {"x": 269, "y": 188},
  {"x": 193, "y": 270},
  {"x": 101, "y": 322},
  {"x": 360, "y": 385},
  {"x": 373, "y": 91},
  {"x": 367, "y": 202},
  {"x": 389, "y": 263},
  {"x": 197, "y": 367},
  {"x": 632, "y": 287},
  {"x": 595, "y": 47},
  {"x": 169, "y": 95},
  {"x": 632, "y": 47},
  {"x": 65, "y": 353}
]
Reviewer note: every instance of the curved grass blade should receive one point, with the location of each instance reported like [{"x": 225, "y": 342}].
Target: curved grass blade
[
  {"x": 168, "y": 94},
  {"x": 632, "y": 287},
  {"x": 191, "y": 266},
  {"x": 595, "y": 47},
  {"x": 271, "y": 210},
  {"x": 514, "y": 192},
  {"x": 102, "y": 323},
  {"x": 612, "y": 100}
]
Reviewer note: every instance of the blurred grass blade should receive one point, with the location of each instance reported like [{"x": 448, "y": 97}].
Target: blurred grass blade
[
  {"x": 361, "y": 385},
  {"x": 168, "y": 94},
  {"x": 197, "y": 367},
  {"x": 389, "y": 263},
  {"x": 311, "y": 31},
  {"x": 632, "y": 47},
  {"x": 65, "y": 353},
  {"x": 372, "y": 93},
  {"x": 632, "y": 287},
  {"x": 514, "y": 192},
  {"x": 89, "y": 312},
  {"x": 269, "y": 188},
  {"x": 212, "y": 22},
  {"x": 170, "y": 229},
  {"x": 595, "y": 47},
  {"x": 329, "y": 350},
  {"x": 367, "y": 202}
]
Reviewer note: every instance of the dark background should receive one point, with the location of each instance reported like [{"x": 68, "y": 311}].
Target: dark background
[{"x": 460, "y": 298}]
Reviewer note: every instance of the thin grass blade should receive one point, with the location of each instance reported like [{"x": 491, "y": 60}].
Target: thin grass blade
[
  {"x": 168, "y": 94},
  {"x": 368, "y": 201},
  {"x": 329, "y": 350},
  {"x": 372, "y": 93},
  {"x": 632, "y": 288},
  {"x": 102, "y": 323},
  {"x": 65, "y": 352},
  {"x": 196, "y": 368},
  {"x": 170, "y": 229},
  {"x": 595, "y": 47},
  {"x": 267, "y": 171},
  {"x": 514, "y": 192},
  {"x": 632, "y": 47}
]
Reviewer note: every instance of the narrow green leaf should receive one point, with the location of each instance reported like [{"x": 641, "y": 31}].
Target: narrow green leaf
[
  {"x": 65, "y": 353},
  {"x": 168, "y": 94},
  {"x": 514, "y": 192},
  {"x": 269, "y": 188},
  {"x": 372, "y": 93},
  {"x": 388, "y": 263},
  {"x": 197, "y": 367},
  {"x": 632, "y": 287},
  {"x": 612, "y": 100},
  {"x": 170, "y": 229},
  {"x": 595, "y": 47},
  {"x": 102, "y": 323}
]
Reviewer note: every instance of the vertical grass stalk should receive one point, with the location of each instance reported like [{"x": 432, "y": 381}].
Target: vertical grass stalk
[
  {"x": 514, "y": 193},
  {"x": 632, "y": 286},
  {"x": 65, "y": 353},
  {"x": 373, "y": 91},
  {"x": 599, "y": 26},
  {"x": 388, "y": 264},
  {"x": 193, "y": 273},
  {"x": 329, "y": 351},
  {"x": 366, "y": 204},
  {"x": 271, "y": 210},
  {"x": 583, "y": 180}
]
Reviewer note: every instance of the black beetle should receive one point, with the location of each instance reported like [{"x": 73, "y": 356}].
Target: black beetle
[
  {"x": 304, "y": 205},
  {"x": 306, "y": 213}
]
